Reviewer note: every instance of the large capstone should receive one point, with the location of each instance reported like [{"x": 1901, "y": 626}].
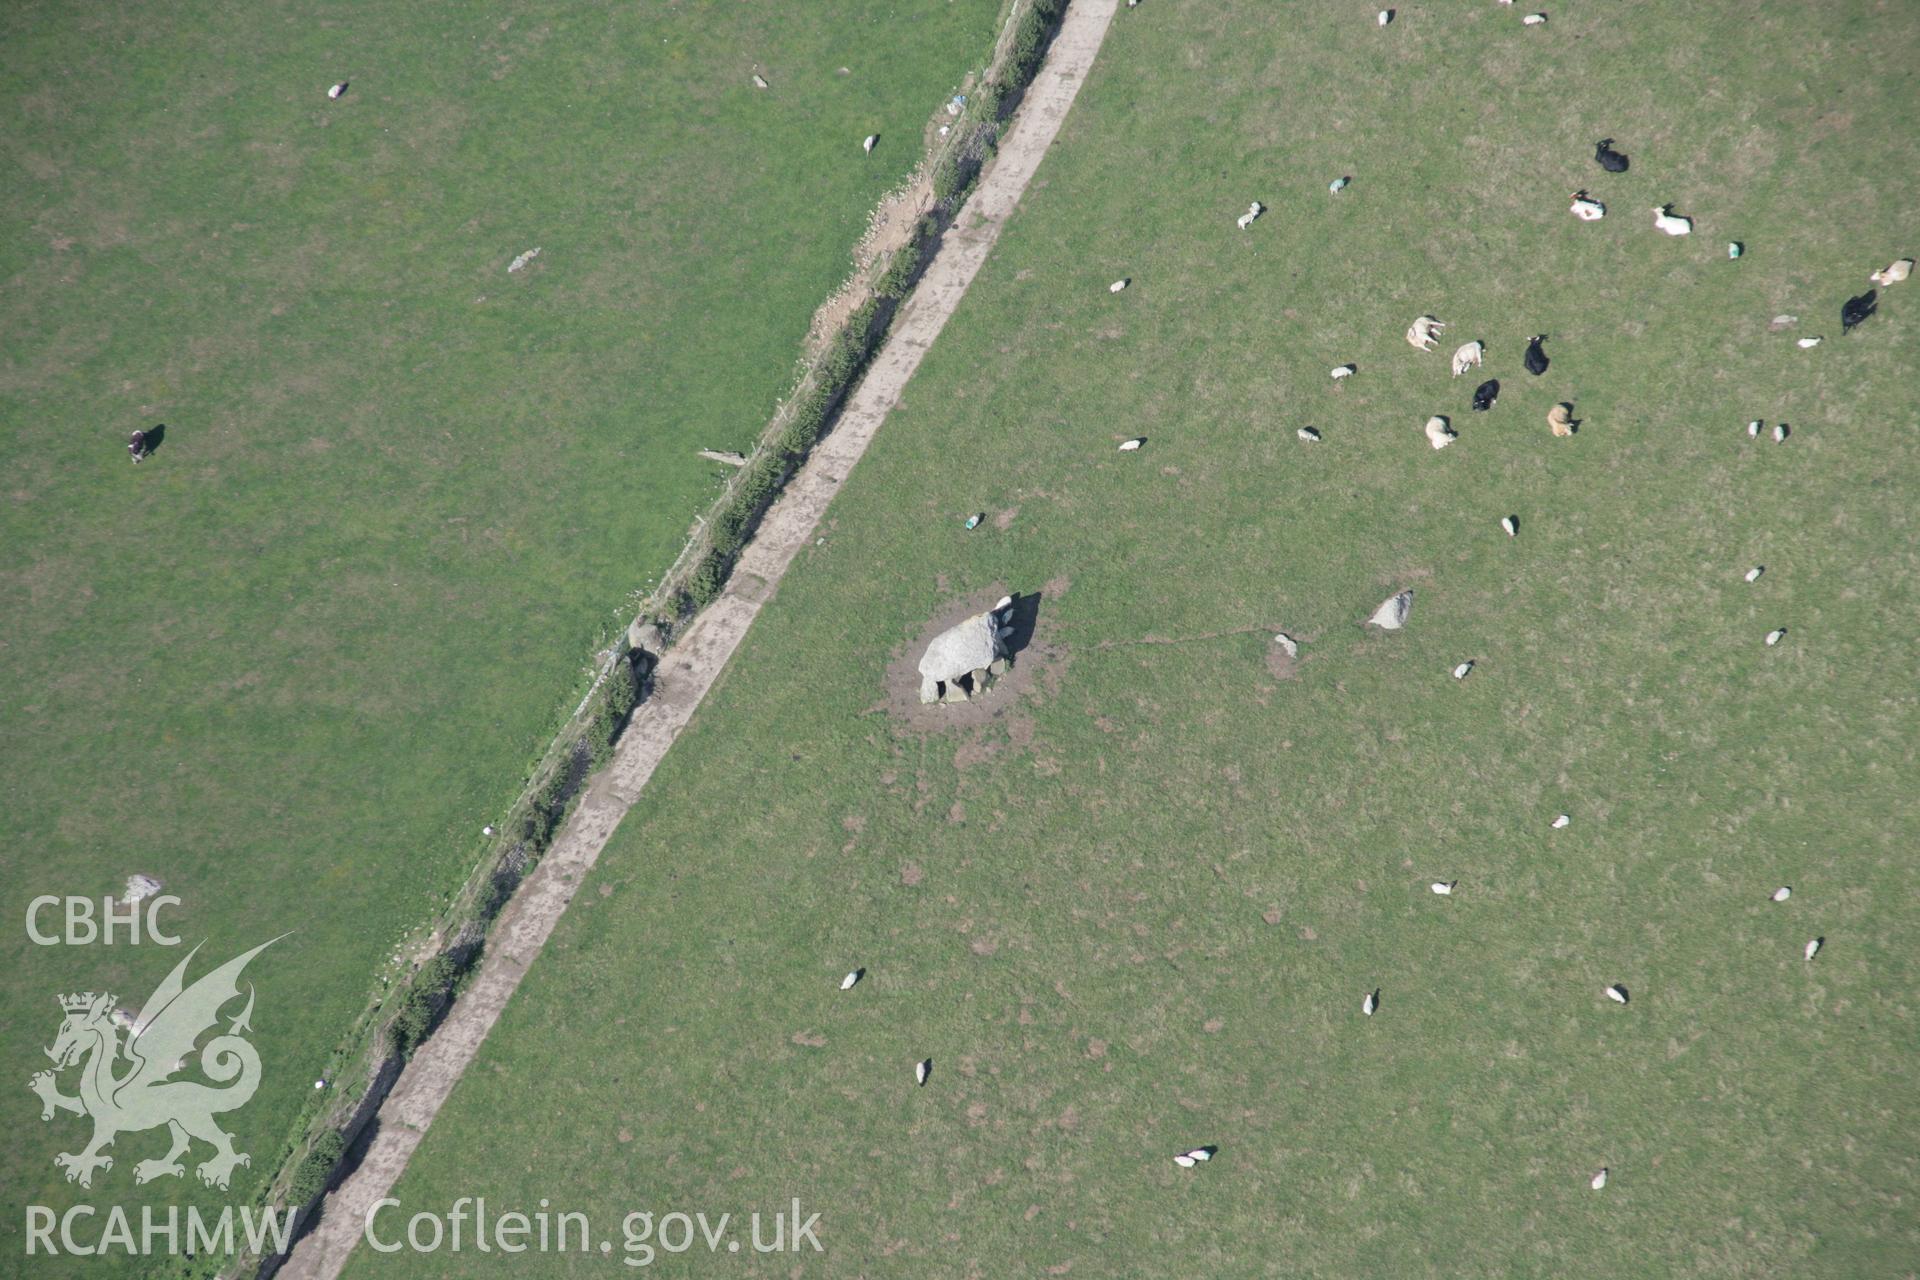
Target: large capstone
[{"x": 962, "y": 659}]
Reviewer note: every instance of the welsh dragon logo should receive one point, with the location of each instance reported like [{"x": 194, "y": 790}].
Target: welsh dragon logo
[{"x": 124, "y": 1087}]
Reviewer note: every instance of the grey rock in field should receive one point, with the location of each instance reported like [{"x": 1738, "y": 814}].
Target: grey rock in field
[
  {"x": 999, "y": 667},
  {"x": 1393, "y": 613},
  {"x": 1782, "y": 321},
  {"x": 727, "y": 456},
  {"x": 967, "y": 651},
  {"x": 1288, "y": 644},
  {"x": 519, "y": 263},
  {"x": 759, "y": 81},
  {"x": 139, "y": 887}
]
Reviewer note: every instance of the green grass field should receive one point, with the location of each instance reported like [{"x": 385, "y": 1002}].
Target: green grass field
[
  {"x": 292, "y": 663},
  {"x": 1138, "y": 912}
]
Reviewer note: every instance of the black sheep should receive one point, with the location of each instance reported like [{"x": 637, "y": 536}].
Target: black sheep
[
  {"x": 1485, "y": 394},
  {"x": 1610, "y": 160},
  {"x": 1536, "y": 358},
  {"x": 1858, "y": 309}
]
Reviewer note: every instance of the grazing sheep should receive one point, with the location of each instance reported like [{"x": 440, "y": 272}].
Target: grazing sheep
[
  {"x": 846, "y": 983},
  {"x": 1386, "y": 16},
  {"x": 1200, "y": 1154},
  {"x": 1813, "y": 948},
  {"x": 1894, "y": 273},
  {"x": 1534, "y": 20},
  {"x": 1424, "y": 332},
  {"x": 1857, "y": 309},
  {"x": 1254, "y": 210},
  {"x": 759, "y": 81},
  {"x": 1536, "y": 359},
  {"x": 1671, "y": 223},
  {"x": 1129, "y": 446},
  {"x": 1371, "y": 1003},
  {"x": 1775, "y": 636},
  {"x": 337, "y": 90},
  {"x": 1460, "y": 672},
  {"x": 1184, "y": 1160},
  {"x": 868, "y": 145},
  {"x": 1344, "y": 371},
  {"x": 1393, "y": 613},
  {"x": 1599, "y": 1180},
  {"x": 1586, "y": 208},
  {"x": 1780, "y": 432},
  {"x": 1119, "y": 284},
  {"x": 1443, "y": 887},
  {"x": 1560, "y": 418},
  {"x": 922, "y": 1071},
  {"x": 1511, "y": 524},
  {"x": 1784, "y": 892},
  {"x": 1561, "y": 821},
  {"x": 1807, "y": 344},
  {"x": 1439, "y": 434},
  {"x": 1753, "y": 429},
  {"x": 1753, "y": 574},
  {"x": 1607, "y": 158},
  {"x": 1339, "y": 184},
  {"x": 1485, "y": 394},
  {"x": 1308, "y": 434},
  {"x": 1468, "y": 357},
  {"x": 1617, "y": 993}
]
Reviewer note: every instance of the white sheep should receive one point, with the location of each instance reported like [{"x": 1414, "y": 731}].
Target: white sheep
[
  {"x": 868, "y": 145},
  {"x": 1586, "y": 208},
  {"x": 1775, "y": 636},
  {"x": 1753, "y": 574},
  {"x": 1439, "y": 434},
  {"x": 1784, "y": 892},
  {"x": 1561, "y": 821},
  {"x": 1129, "y": 446},
  {"x": 1468, "y": 357},
  {"x": 922, "y": 1070},
  {"x": 337, "y": 90},
  {"x": 1463, "y": 670},
  {"x": 1344, "y": 371},
  {"x": 1511, "y": 524},
  {"x": 1309, "y": 434},
  {"x": 1807, "y": 344},
  {"x": 1119, "y": 284},
  {"x": 1371, "y": 1003},
  {"x": 1254, "y": 210},
  {"x": 1424, "y": 332},
  {"x": 846, "y": 983},
  {"x": 1534, "y": 20},
  {"x": 1671, "y": 223},
  {"x": 1617, "y": 993},
  {"x": 759, "y": 81},
  {"x": 1780, "y": 432},
  {"x": 1443, "y": 887},
  {"x": 1200, "y": 1154},
  {"x": 1599, "y": 1180},
  {"x": 1184, "y": 1160},
  {"x": 1753, "y": 429},
  {"x": 1894, "y": 273},
  {"x": 1813, "y": 948},
  {"x": 1386, "y": 16}
]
